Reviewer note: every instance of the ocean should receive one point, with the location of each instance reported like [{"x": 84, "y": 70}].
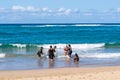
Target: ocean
[{"x": 97, "y": 44}]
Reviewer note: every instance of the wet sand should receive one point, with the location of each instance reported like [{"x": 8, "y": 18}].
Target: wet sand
[{"x": 98, "y": 73}]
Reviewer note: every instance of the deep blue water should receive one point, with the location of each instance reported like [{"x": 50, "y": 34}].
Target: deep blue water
[{"x": 54, "y": 34}]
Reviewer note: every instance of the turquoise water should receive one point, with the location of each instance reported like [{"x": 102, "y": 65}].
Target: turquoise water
[
  {"x": 54, "y": 34},
  {"x": 96, "y": 44}
]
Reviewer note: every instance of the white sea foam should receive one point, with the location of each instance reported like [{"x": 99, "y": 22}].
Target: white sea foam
[
  {"x": 33, "y": 26},
  {"x": 0, "y": 44},
  {"x": 2, "y": 55},
  {"x": 48, "y": 25},
  {"x": 61, "y": 25},
  {"x": 65, "y": 25},
  {"x": 75, "y": 46},
  {"x": 88, "y": 25},
  {"x": 63, "y": 56},
  {"x": 54, "y": 25},
  {"x": 101, "y": 55},
  {"x": 92, "y": 25},
  {"x": 19, "y": 45}
]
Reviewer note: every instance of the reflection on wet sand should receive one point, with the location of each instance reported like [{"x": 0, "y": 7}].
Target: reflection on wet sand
[{"x": 51, "y": 64}]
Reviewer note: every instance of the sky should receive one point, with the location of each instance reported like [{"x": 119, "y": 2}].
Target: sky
[{"x": 59, "y": 11}]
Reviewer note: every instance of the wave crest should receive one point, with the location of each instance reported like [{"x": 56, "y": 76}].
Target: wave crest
[
  {"x": 2, "y": 55},
  {"x": 77, "y": 46}
]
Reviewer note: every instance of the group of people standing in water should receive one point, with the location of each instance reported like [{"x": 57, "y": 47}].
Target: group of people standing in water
[
  {"x": 52, "y": 50},
  {"x": 68, "y": 50}
]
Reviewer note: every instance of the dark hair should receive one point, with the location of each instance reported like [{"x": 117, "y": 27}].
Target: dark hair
[
  {"x": 50, "y": 46},
  {"x": 55, "y": 46},
  {"x": 69, "y": 45},
  {"x": 76, "y": 55},
  {"x": 41, "y": 47}
]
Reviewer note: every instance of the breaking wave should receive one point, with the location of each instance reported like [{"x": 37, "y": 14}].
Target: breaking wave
[{"x": 77, "y": 46}]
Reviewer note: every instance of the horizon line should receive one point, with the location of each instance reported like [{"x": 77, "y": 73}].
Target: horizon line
[{"x": 108, "y": 23}]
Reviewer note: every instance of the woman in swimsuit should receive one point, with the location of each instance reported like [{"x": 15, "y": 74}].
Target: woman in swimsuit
[
  {"x": 51, "y": 53},
  {"x": 66, "y": 50}
]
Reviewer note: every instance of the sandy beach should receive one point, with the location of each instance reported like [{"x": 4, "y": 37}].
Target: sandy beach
[{"x": 98, "y": 73}]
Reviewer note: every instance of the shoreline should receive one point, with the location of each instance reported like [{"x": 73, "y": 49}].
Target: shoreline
[{"x": 94, "y": 73}]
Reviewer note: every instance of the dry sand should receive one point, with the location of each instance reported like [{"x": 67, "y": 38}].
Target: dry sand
[{"x": 99, "y": 73}]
